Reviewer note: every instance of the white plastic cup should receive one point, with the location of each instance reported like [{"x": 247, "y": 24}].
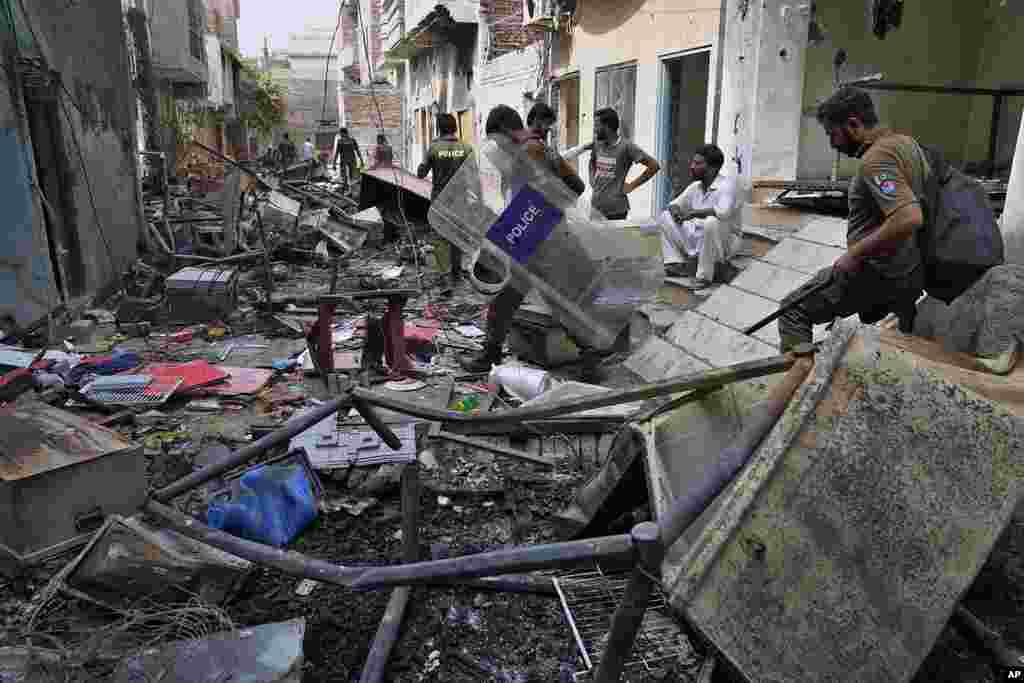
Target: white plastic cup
[{"x": 525, "y": 383}]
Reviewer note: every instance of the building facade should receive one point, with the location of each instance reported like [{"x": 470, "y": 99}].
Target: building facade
[{"x": 68, "y": 131}]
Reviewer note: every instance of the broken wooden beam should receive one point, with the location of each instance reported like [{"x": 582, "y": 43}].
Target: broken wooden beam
[
  {"x": 707, "y": 379},
  {"x": 437, "y": 433}
]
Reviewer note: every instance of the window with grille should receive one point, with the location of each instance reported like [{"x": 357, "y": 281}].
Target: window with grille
[
  {"x": 196, "y": 30},
  {"x": 615, "y": 87}
]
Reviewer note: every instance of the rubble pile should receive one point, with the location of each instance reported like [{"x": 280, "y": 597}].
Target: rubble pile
[{"x": 261, "y": 300}]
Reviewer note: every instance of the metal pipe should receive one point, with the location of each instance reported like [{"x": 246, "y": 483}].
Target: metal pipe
[
  {"x": 290, "y": 429},
  {"x": 549, "y": 556},
  {"x": 708, "y": 379},
  {"x": 371, "y": 418},
  {"x": 386, "y": 637},
  {"x": 287, "y": 561},
  {"x": 986, "y": 640},
  {"x": 689, "y": 506},
  {"x": 387, "y": 633},
  {"x": 629, "y": 614}
]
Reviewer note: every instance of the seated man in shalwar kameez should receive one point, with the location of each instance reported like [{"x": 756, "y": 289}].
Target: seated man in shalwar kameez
[{"x": 700, "y": 229}]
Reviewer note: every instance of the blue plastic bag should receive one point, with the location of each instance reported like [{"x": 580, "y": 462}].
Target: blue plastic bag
[{"x": 273, "y": 504}]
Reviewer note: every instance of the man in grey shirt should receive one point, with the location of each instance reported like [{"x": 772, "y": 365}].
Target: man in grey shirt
[{"x": 610, "y": 161}]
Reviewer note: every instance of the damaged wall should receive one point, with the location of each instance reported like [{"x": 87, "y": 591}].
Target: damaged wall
[
  {"x": 91, "y": 120},
  {"x": 936, "y": 45}
]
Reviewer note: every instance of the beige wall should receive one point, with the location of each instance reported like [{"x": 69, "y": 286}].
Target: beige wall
[
  {"x": 609, "y": 32},
  {"x": 936, "y": 45}
]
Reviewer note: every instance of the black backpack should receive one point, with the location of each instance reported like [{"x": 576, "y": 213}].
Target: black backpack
[{"x": 960, "y": 239}]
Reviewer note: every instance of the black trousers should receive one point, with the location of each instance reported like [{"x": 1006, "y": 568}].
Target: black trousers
[{"x": 867, "y": 293}]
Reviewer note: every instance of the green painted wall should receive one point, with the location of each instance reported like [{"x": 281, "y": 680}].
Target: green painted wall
[
  {"x": 938, "y": 44},
  {"x": 998, "y": 65}
]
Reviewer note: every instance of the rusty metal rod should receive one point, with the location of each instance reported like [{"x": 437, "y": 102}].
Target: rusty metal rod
[
  {"x": 387, "y": 633},
  {"x": 287, "y": 561},
  {"x": 708, "y": 379},
  {"x": 493, "y": 448},
  {"x": 290, "y": 429},
  {"x": 371, "y": 417},
  {"x": 302, "y": 566},
  {"x": 689, "y": 506},
  {"x": 549, "y": 556},
  {"x": 629, "y": 613},
  {"x": 982, "y": 638}
]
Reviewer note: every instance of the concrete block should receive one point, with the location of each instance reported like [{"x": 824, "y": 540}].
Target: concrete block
[
  {"x": 657, "y": 360},
  {"x": 739, "y": 309},
  {"x": 807, "y": 257},
  {"x": 715, "y": 343},
  {"x": 769, "y": 280},
  {"x": 828, "y": 231}
]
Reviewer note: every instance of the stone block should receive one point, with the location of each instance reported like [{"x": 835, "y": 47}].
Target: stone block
[
  {"x": 807, "y": 257},
  {"x": 769, "y": 280},
  {"x": 715, "y": 343}
]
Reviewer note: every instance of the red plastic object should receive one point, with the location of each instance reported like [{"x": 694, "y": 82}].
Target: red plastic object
[
  {"x": 196, "y": 374},
  {"x": 182, "y": 337},
  {"x": 394, "y": 339},
  {"x": 241, "y": 381}
]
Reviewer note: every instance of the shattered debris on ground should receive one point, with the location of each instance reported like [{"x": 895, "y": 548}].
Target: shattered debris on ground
[{"x": 210, "y": 347}]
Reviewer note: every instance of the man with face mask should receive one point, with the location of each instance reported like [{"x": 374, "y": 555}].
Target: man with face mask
[
  {"x": 612, "y": 156},
  {"x": 700, "y": 228},
  {"x": 881, "y": 271}
]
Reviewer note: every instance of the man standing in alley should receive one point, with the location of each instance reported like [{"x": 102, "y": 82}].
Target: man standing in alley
[
  {"x": 700, "y": 229},
  {"x": 385, "y": 156},
  {"x": 286, "y": 152},
  {"x": 881, "y": 271},
  {"x": 308, "y": 150},
  {"x": 346, "y": 149},
  {"x": 444, "y": 157},
  {"x": 611, "y": 159}
]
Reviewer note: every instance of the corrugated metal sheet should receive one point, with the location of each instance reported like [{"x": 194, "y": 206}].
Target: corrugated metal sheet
[{"x": 35, "y": 438}]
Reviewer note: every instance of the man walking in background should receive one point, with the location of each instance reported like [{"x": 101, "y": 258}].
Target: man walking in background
[
  {"x": 611, "y": 158},
  {"x": 700, "y": 229},
  {"x": 286, "y": 152},
  {"x": 346, "y": 149},
  {"x": 308, "y": 150},
  {"x": 444, "y": 157}
]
